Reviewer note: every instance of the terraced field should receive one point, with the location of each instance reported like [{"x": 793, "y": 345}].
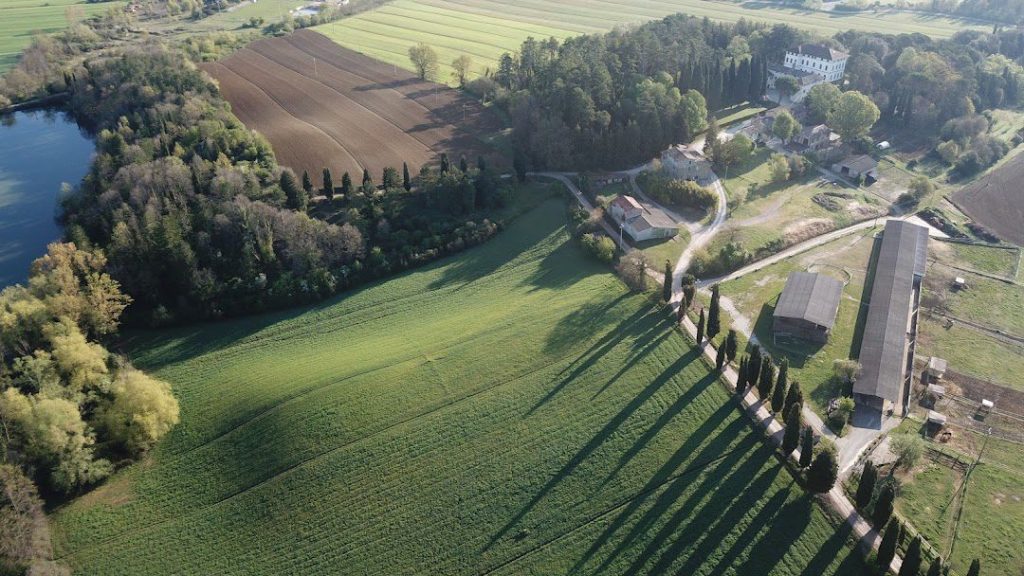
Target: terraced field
[
  {"x": 325, "y": 107},
  {"x": 22, "y": 19},
  {"x": 510, "y": 411},
  {"x": 485, "y": 29}
]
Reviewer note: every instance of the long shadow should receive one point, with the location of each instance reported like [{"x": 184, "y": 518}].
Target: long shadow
[
  {"x": 687, "y": 524},
  {"x": 580, "y": 323},
  {"x": 865, "y": 299},
  {"x": 594, "y": 443},
  {"x": 831, "y": 549},
  {"x": 788, "y": 526},
  {"x": 671, "y": 412},
  {"x": 749, "y": 534},
  {"x": 650, "y": 343},
  {"x": 635, "y": 325},
  {"x": 712, "y": 453}
]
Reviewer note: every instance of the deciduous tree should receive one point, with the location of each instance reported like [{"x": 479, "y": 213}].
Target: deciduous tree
[
  {"x": 820, "y": 100},
  {"x": 785, "y": 126},
  {"x": 460, "y": 69},
  {"x": 424, "y": 60},
  {"x": 853, "y": 115}
]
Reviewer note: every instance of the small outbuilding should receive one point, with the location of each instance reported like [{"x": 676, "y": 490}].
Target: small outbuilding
[
  {"x": 936, "y": 418},
  {"x": 935, "y": 391},
  {"x": 807, "y": 307},
  {"x": 862, "y": 166},
  {"x": 936, "y": 368}
]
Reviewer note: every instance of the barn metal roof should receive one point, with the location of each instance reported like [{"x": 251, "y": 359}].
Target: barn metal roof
[
  {"x": 810, "y": 297},
  {"x": 903, "y": 255}
]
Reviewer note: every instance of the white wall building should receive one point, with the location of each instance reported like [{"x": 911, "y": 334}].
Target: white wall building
[{"x": 810, "y": 64}]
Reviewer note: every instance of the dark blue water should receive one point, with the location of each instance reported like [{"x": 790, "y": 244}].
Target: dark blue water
[{"x": 39, "y": 151}]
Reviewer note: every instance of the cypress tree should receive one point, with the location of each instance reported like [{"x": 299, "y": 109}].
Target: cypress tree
[
  {"x": 791, "y": 437},
  {"x": 367, "y": 179},
  {"x": 887, "y": 548},
  {"x": 346, "y": 184},
  {"x": 444, "y": 163},
  {"x": 666, "y": 289},
  {"x": 912, "y": 559},
  {"x": 975, "y": 569},
  {"x": 519, "y": 165},
  {"x": 936, "y": 568},
  {"x": 779, "y": 393},
  {"x": 766, "y": 379},
  {"x": 296, "y": 197},
  {"x": 700, "y": 327},
  {"x": 463, "y": 165},
  {"x": 481, "y": 163},
  {"x": 714, "y": 320},
  {"x": 793, "y": 396},
  {"x": 824, "y": 470},
  {"x": 731, "y": 346},
  {"x": 720, "y": 357},
  {"x": 406, "y": 180},
  {"x": 689, "y": 291},
  {"x": 884, "y": 505},
  {"x": 328, "y": 184},
  {"x": 307, "y": 184},
  {"x": 806, "y": 447},
  {"x": 741, "y": 376},
  {"x": 866, "y": 486}
]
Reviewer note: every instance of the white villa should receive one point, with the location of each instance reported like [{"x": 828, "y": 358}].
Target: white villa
[{"x": 810, "y": 64}]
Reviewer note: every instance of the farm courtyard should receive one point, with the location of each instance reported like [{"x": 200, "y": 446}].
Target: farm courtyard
[{"x": 414, "y": 423}]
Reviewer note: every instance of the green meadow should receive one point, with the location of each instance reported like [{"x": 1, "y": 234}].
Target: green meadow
[
  {"x": 22, "y": 19},
  {"x": 512, "y": 410},
  {"x": 485, "y": 29}
]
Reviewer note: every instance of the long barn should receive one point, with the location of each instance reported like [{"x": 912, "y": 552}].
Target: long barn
[{"x": 887, "y": 349}]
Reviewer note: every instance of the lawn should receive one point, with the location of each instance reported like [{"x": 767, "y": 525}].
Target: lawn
[
  {"x": 754, "y": 296},
  {"x": 512, "y": 410},
  {"x": 238, "y": 16},
  {"x": 22, "y": 19},
  {"x": 992, "y": 522},
  {"x": 485, "y": 29}
]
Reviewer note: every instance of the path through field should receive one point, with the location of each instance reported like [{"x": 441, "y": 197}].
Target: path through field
[{"x": 323, "y": 106}]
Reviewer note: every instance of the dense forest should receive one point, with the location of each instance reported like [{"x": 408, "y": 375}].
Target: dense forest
[{"x": 617, "y": 99}]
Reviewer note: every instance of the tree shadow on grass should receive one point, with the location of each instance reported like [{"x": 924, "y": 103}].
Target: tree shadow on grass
[
  {"x": 715, "y": 452},
  {"x": 865, "y": 299},
  {"x": 594, "y": 443},
  {"x": 833, "y": 548}
]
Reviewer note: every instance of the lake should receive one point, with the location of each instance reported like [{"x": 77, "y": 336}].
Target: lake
[{"x": 39, "y": 151}]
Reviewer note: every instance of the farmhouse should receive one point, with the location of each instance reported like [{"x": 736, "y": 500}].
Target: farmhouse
[
  {"x": 683, "y": 163},
  {"x": 862, "y": 166},
  {"x": 640, "y": 221},
  {"x": 814, "y": 138},
  {"x": 887, "y": 348},
  {"x": 810, "y": 64},
  {"x": 807, "y": 307}
]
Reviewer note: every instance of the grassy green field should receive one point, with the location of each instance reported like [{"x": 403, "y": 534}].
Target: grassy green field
[
  {"x": 512, "y": 410},
  {"x": 269, "y": 10},
  {"x": 22, "y": 19},
  {"x": 992, "y": 522},
  {"x": 484, "y": 29}
]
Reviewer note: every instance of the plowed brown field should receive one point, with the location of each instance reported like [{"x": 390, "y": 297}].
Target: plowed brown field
[{"x": 324, "y": 106}]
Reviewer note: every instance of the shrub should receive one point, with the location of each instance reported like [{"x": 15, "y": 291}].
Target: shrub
[
  {"x": 840, "y": 417},
  {"x": 907, "y": 448},
  {"x": 599, "y": 246}
]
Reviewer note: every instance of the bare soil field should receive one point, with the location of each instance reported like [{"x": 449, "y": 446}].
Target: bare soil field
[
  {"x": 324, "y": 106},
  {"x": 996, "y": 200}
]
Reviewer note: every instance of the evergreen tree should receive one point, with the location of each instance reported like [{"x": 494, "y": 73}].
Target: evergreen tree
[
  {"x": 866, "y": 486},
  {"x": 307, "y": 184},
  {"x": 912, "y": 559},
  {"x": 295, "y": 197},
  {"x": 666, "y": 289},
  {"x": 689, "y": 291},
  {"x": 463, "y": 164},
  {"x": 936, "y": 568},
  {"x": 975, "y": 569},
  {"x": 824, "y": 470},
  {"x": 884, "y": 505},
  {"x": 444, "y": 164},
  {"x": 779, "y": 392},
  {"x": 367, "y": 179},
  {"x": 791, "y": 437},
  {"x": 481, "y": 163},
  {"x": 720, "y": 357},
  {"x": 389, "y": 178},
  {"x": 766, "y": 379},
  {"x": 346, "y": 184},
  {"x": 519, "y": 165},
  {"x": 710, "y": 137},
  {"x": 741, "y": 375},
  {"x": 754, "y": 366},
  {"x": 806, "y": 447},
  {"x": 793, "y": 396},
  {"x": 714, "y": 319},
  {"x": 731, "y": 346},
  {"x": 890, "y": 540},
  {"x": 406, "y": 180},
  {"x": 700, "y": 327},
  {"x": 328, "y": 184}
]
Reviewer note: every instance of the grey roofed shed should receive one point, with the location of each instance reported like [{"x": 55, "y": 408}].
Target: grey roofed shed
[
  {"x": 810, "y": 297},
  {"x": 901, "y": 263}
]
